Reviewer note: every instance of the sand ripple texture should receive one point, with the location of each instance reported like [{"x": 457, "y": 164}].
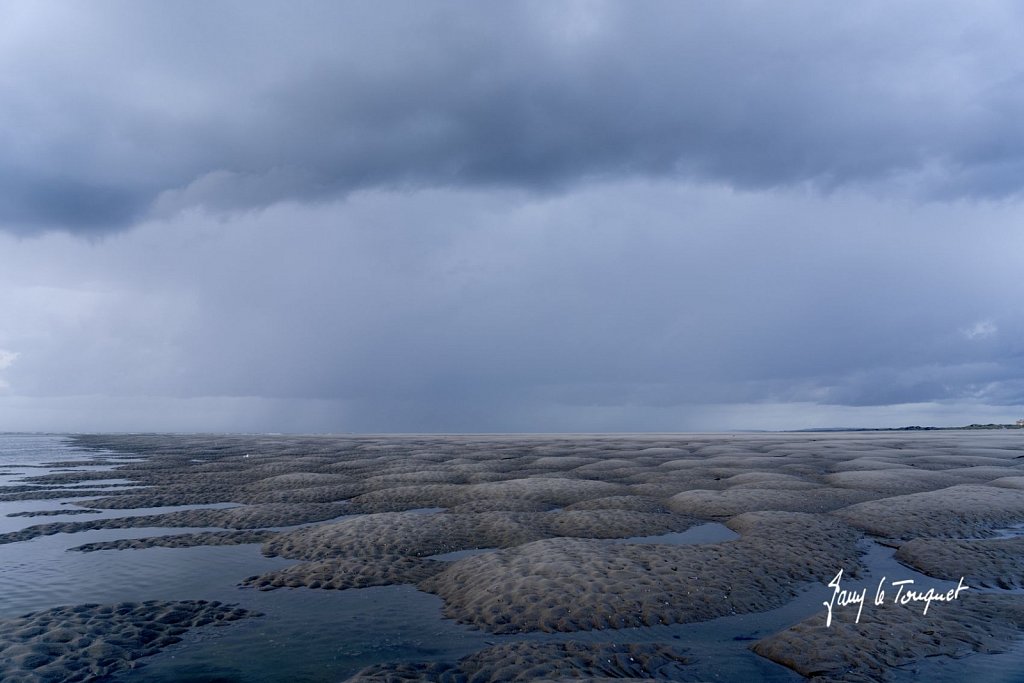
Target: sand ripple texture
[
  {"x": 991, "y": 563},
  {"x": 952, "y": 512},
  {"x": 890, "y": 636},
  {"x": 86, "y": 642},
  {"x": 570, "y": 584},
  {"x": 180, "y": 540},
  {"x": 384, "y": 548},
  {"x": 245, "y": 517},
  {"x": 349, "y": 572},
  {"x": 544, "y": 662},
  {"x": 53, "y": 513},
  {"x": 378, "y": 507}
]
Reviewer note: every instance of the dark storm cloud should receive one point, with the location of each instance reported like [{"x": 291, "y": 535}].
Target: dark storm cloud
[
  {"x": 114, "y": 111},
  {"x": 542, "y": 215},
  {"x": 52, "y": 202}
]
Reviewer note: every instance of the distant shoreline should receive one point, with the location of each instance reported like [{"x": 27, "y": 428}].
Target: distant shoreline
[{"x": 913, "y": 428}]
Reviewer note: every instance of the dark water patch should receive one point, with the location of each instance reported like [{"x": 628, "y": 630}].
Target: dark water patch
[
  {"x": 1002, "y": 667},
  {"x": 41, "y": 574},
  {"x": 315, "y": 636},
  {"x": 320, "y": 636}
]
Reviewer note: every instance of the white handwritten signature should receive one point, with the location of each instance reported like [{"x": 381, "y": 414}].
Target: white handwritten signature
[{"x": 904, "y": 595}]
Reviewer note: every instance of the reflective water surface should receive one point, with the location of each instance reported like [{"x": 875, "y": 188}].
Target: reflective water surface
[{"x": 315, "y": 635}]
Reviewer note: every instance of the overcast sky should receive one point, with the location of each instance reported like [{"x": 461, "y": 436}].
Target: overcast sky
[{"x": 529, "y": 216}]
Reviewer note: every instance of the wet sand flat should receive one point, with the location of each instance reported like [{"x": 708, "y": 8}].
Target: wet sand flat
[{"x": 568, "y": 551}]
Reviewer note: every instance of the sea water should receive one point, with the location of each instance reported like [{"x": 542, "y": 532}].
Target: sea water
[
  {"x": 316, "y": 636},
  {"x": 303, "y": 635}
]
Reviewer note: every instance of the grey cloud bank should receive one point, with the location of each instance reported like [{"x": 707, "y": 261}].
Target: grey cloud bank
[
  {"x": 576, "y": 216},
  {"x": 116, "y": 111},
  {"x": 623, "y": 306}
]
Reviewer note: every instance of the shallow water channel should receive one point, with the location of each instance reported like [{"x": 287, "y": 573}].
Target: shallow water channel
[{"x": 317, "y": 635}]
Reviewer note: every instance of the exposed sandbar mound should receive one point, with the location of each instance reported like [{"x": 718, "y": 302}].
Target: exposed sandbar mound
[
  {"x": 349, "y": 572},
  {"x": 869, "y": 463},
  {"x": 180, "y": 540},
  {"x": 244, "y": 517},
  {"x": 722, "y": 504},
  {"x": 385, "y": 548},
  {"x": 611, "y": 469},
  {"x": 48, "y": 494},
  {"x": 534, "y": 474},
  {"x": 683, "y": 464},
  {"x": 983, "y": 473},
  {"x": 961, "y": 458},
  {"x": 1016, "y": 482},
  {"x": 302, "y": 496},
  {"x": 87, "y": 642},
  {"x": 20, "y": 488},
  {"x": 396, "y": 533},
  {"x": 562, "y": 462},
  {"x": 769, "y": 480},
  {"x": 415, "y": 535},
  {"x": 555, "y": 491},
  {"x": 417, "y": 474},
  {"x": 663, "y": 452},
  {"x": 636, "y": 503},
  {"x": 72, "y": 477},
  {"x": 441, "y": 485},
  {"x": 664, "y": 486},
  {"x": 297, "y": 480},
  {"x": 569, "y": 584},
  {"x": 398, "y": 498},
  {"x": 104, "y": 461},
  {"x": 54, "y": 513},
  {"x": 610, "y": 523},
  {"x": 890, "y": 482},
  {"x": 967, "y": 510},
  {"x": 894, "y": 635},
  {"x": 995, "y": 562},
  {"x": 300, "y": 487},
  {"x": 545, "y": 662},
  {"x": 161, "y": 497},
  {"x": 501, "y": 504}
]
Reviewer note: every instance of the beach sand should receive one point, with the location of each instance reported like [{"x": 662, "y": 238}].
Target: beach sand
[
  {"x": 354, "y": 512},
  {"x": 86, "y": 642}
]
